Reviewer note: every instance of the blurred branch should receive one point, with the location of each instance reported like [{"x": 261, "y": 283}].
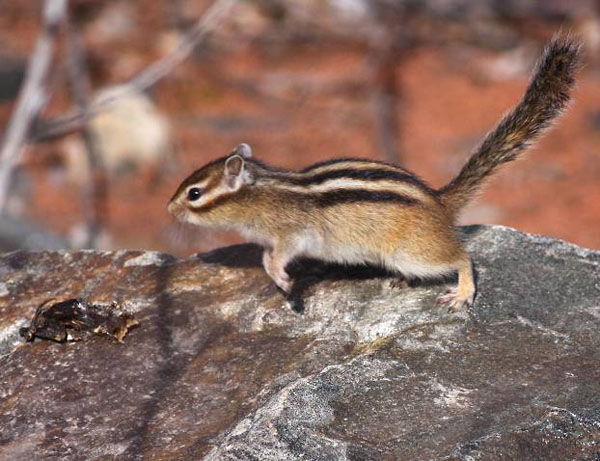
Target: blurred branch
[
  {"x": 385, "y": 97},
  {"x": 76, "y": 118},
  {"x": 32, "y": 98},
  {"x": 96, "y": 189},
  {"x": 161, "y": 68}
]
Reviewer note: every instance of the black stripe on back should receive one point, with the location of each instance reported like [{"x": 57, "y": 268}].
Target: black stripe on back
[
  {"x": 321, "y": 200},
  {"x": 361, "y": 174},
  {"x": 343, "y": 196}
]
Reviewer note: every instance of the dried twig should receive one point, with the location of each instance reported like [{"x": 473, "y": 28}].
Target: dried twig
[
  {"x": 96, "y": 189},
  {"x": 32, "y": 97},
  {"x": 75, "y": 118},
  {"x": 206, "y": 24}
]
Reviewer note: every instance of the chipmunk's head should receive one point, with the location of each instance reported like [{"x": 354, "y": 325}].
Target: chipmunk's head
[{"x": 206, "y": 196}]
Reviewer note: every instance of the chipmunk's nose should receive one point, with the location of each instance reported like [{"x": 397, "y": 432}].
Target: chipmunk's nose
[{"x": 174, "y": 208}]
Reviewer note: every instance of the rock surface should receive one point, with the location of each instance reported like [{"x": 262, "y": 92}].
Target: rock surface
[{"x": 221, "y": 367}]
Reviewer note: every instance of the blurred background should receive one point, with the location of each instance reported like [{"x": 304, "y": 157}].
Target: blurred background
[{"x": 137, "y": 94}]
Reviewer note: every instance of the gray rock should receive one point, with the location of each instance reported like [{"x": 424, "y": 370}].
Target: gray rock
[{"x": 222, "y": 367}]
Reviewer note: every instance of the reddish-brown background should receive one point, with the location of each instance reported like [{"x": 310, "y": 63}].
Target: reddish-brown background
[{"x": 301, "y": 102}]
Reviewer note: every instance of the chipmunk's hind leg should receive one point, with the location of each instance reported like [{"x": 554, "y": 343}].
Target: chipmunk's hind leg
[
  {"x": 425, "y": 260},
  {"x": 461, "y": 297}
]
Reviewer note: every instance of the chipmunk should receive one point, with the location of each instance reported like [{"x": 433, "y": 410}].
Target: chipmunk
[{"x": 363, "y": 211}]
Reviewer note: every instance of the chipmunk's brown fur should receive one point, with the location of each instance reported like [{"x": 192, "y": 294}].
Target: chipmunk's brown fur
[{"x": 362, "y": 211}]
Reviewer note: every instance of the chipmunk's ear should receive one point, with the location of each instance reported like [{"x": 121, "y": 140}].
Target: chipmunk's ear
[
  {"x": 234, "y": 165},
  {"x": 243, "y": 150},
  {"x": 236, "y": 173}
]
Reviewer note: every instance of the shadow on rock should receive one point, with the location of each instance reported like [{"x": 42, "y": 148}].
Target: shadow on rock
[{"x": 308, "y": 271}]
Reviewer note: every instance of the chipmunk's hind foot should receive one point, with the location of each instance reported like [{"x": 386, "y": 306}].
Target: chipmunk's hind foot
[
  {"x": 454, "y": 301},
  {"x": 461, "y": 297}
]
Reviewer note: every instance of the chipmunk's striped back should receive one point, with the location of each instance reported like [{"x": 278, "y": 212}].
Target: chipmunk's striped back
[{"x": 346, "y": 180}]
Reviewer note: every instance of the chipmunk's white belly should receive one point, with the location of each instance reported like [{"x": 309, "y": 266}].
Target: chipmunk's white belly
[
  {"x": 314, "y": 245},
  {"x": 320, "y": 247}
]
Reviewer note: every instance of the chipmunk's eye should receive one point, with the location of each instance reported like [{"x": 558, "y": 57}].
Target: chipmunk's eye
[{"x": 194, "y": 194}]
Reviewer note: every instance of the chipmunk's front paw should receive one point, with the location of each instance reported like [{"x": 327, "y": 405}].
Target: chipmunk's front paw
[
  {"x": 276, "y": 271},
  {"x": 454, "y": 301},
  {"x": 284, "y": 282}
]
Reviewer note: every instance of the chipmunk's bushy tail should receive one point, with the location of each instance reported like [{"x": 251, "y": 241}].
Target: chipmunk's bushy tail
[{"x": 546, "y": 98}]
